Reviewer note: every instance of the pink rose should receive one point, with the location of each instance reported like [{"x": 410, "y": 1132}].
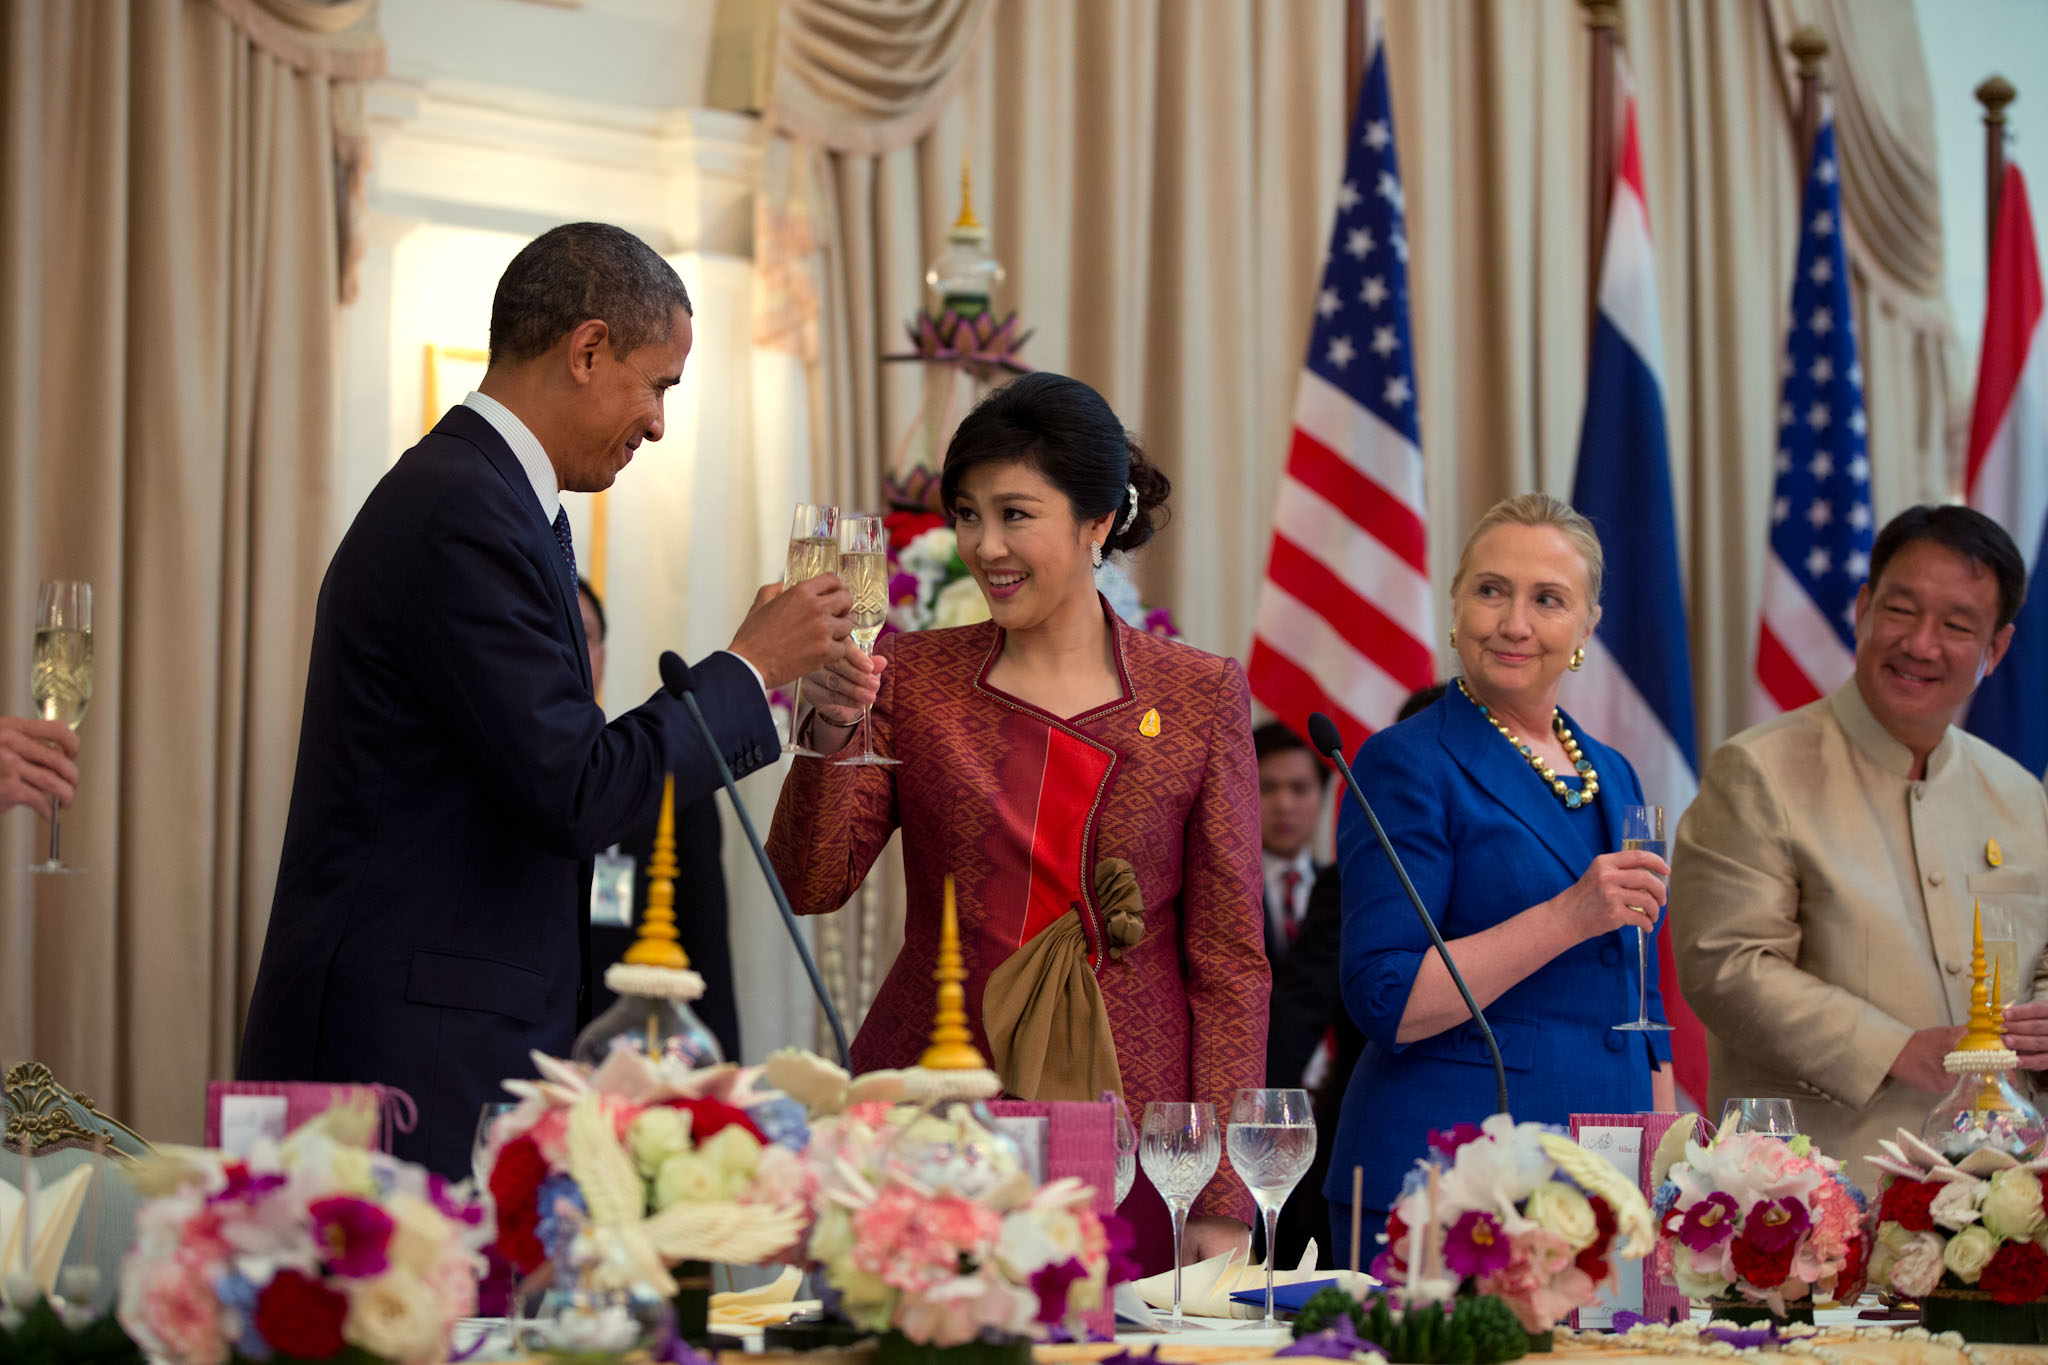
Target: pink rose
[{"x": 180, "y": 1311}]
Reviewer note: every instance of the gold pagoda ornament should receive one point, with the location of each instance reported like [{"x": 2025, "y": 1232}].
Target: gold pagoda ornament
[
  {"x": 654, "y": 980},
  {"x": 1985, "y": 1111}
]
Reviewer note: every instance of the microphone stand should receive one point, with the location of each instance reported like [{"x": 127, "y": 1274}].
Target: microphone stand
[
  {"x": 1323, "y": 732},
  {"x": 676, "y": 676}
]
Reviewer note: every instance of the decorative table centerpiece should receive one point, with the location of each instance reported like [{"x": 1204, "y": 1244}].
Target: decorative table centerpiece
[
  {"x": 1758, "y": 1227},
  {"x": 315, "y": 1248},
  {"x": 1519, "y": 1211}
]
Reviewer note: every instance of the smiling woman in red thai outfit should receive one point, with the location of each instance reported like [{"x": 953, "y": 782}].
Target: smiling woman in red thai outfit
[{"x": 1090, "y": 787}]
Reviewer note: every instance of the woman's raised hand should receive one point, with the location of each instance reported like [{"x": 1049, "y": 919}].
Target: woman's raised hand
[
  {"x": 1618, "y": 891},
  {"x": 843, "y": 688}
]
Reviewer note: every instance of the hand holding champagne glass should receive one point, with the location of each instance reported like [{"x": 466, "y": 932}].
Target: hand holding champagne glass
[
  {"x": 864, "y": 568},
  {"x": 1179, "y": 1149},
  {"x": 1642, "y": 829},
  {"x": 60, "y": 680},
  {"x": 1272, "y": 1142},
  {"x": 813, "y": 549}
]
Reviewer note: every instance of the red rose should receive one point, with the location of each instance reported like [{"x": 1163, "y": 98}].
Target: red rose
[
  {"x": 1907, "y": 1203},
  {"x": 2017, "y": 1273},
  {"x": 904, "y": 527},
  {"x": 1593, "y": 1260},
  {"x": 1849, "y": 1283},
  {"x": 1397, "y": 1240},
  {"x": 1766, "y": 1268},
  {"x": 299, "y": 1316},
  {"x": 707, "y": 1117},
  {"x": 515, "y": 1185}
]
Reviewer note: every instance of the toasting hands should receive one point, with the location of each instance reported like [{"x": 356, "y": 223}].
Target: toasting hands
[
  {"x": 36, "y": 763},
  {"x": 792, "y": 631}
]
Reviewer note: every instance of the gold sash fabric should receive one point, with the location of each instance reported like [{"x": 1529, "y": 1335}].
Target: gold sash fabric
[{"x": 1043, "y": 1014}]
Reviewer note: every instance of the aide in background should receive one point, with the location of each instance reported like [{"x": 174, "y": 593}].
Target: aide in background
[
  {"x": 1823, "y": 879},
  {"x": 36, "y": 763},
  {"x": 701, "y": 921},
  {"x": 1090, "y": 787},
  {"x": 455, "y": 774},
  {"x": 1517, "y": 857}
]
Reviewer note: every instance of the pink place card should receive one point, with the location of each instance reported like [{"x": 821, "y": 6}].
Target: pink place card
[
  {"x": 241, "y": 1113},
  {"x": 1630, "y": 1141},
  {"x": 1079, "y": 1142}
]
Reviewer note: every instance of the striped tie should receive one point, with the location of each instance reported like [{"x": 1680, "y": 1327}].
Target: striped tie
[{"x": 564, "y": 539}]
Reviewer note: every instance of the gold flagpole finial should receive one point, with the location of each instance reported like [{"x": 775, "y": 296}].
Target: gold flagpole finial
[
  {"x": 966, "y": 222},
  {"x": 952, "y": 1046},
  {"x": 657, "y": 944}
]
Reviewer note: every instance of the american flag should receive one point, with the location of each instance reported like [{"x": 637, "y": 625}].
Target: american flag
[
  {"x": 1345, "y": 614},
  {"x": 1820, "y": 510}
]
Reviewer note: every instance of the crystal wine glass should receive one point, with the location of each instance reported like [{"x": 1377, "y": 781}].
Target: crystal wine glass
[
  {"x": 1124, "y": 1139},
  {"x": 1179, "y": 1148},
  {"x": 813, "y": 549},
  {"x": 480, "y": 1146},
  {"x": 60, "y": 678},
  {"x": 1771, "y": 1116},
  {"x": 1642, "y": 828},
  {"x": 864, "y": 568},
  {"x": 1272, "y": 1140}
]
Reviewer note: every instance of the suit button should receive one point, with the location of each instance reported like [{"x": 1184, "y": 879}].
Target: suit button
[
  {"x": 1615, "y": 1043},
  {"x": 1934, "y": 879},
  {"x": 1919, "y": 791},
  {"x": 1610, "y": 954},
  {"x": 1954, "y": 968}
]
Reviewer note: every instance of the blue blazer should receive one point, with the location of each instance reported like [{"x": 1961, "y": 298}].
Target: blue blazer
[
  {"x": 1483, "y": 840},
  {"x": 455, "y": 779}
]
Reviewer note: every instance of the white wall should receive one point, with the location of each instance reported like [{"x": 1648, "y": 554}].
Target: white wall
[
  {"x": 640, "y": 54},
  {"x": 1967, "y": 40}
]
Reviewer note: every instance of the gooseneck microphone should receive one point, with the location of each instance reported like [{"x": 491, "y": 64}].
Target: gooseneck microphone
[
  {"x": 1322, "y": 732},
  {"x": 677, "y": 678}
]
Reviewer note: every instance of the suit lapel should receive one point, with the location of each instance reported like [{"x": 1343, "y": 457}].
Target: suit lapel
[
  {"x": 467, "y": 424},
  {"x": 1506, "y": 778}
]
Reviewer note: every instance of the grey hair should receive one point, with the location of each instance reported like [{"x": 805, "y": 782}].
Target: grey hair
[
  {"x": 1540, "y": 509},
  {"x": 579, "y": 271}
]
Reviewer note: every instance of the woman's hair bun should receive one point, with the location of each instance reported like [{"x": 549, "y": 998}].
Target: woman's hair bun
[{"x": 1153, "y": 490}]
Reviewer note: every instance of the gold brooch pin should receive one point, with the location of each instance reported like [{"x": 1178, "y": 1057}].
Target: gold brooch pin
[
  {"x": 1149, "y": 727},
  {"x": 1992, "y": 854}
]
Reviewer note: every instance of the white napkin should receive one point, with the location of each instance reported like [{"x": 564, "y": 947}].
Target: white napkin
[
  {"x": 1206, "y": 1287},
  {"x": 56, "y": 1211},
  {"x": 763, "y": 1305}
]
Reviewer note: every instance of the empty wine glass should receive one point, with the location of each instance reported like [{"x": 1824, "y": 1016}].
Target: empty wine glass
[
  {"x": 1179, "y": 1148},
  {"x": 1272, "y": 1141},
  {"x": 1642, "y": 828},
  {"x": 1124, "y": 1138},
  {"x": 60, "y": 675},
  {"x": 1772, "y": 1116}
]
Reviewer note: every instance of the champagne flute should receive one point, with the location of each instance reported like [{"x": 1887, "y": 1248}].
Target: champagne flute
[
  {"x": 1124, "y": 1140},
  {"x": 864, "y": 568},
  {"x": 2001, "y": 953},
  {"x": 1179, "y": 1149},
  {"x": 813, "y": 549},
  {"x": 1272, "y": 1141},
  {"x": 1642, "y": 828},
  {"x": 60, "y": 680}
]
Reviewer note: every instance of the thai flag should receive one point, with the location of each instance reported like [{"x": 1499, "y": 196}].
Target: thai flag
[
  {"x": 1635, "y": 692},
  {"x": 2008, "y": 472}
]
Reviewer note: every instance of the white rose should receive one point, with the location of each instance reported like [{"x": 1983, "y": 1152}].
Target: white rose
[
  {"x": 685, "y": 1178},
  {"x": 732, "y": 1152},
  {"x": 1916, "y": 1263},
  {"x": 1956, "y": 1205},
  {"x": 396, "y": 1316},
  {"x": 419, "y": 1234},
  {"x": 2012, "y": 1204},
  {"x": 959, "y": 603},
  {"x": 1563, "y": 1212},
  {"x": 1695, "y": 1283},
  {"x": 1968, "y": 1252},
  {"x": 656, "y": 1134}
]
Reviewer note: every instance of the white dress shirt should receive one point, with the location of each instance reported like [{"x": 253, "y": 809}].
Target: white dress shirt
[{"x": 1280, "y": 910}]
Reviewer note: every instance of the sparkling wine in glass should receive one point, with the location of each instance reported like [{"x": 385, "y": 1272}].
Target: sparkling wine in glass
[
  {"x": 813, "y": 549},
  {"x": 1124, "y": 1139},
  {"x": 1642, "y": 828},
  {"x": 1179, "y": 1147},
  {"x": 864, "y": 568},
  {"x": 60, "y": 675},
  {"x": 1272, "y": 1141}
]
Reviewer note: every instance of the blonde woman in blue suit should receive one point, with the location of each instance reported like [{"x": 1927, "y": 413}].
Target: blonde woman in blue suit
[{"x": 1509, "y": 822}]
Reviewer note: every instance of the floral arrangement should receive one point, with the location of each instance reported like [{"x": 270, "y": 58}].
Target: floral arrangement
[
  {"x": 1966, "y": 1229},
  {"x": 1519, "y": 1211},
  {"x": 949, "y": 1252},
  {"x": 1761, "y": 1217},
  {"x": 612, "y": 1175},
  {"x": 930, "y": 587},
  {"x": 308, "y": 1249}
]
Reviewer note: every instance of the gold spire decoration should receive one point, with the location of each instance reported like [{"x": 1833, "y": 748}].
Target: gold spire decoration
[
  {"x": 657, "y": 945},
  {"x": 1988, "y": 1097},
  {"x": 1981, "y": 1035},
  {"x": 966, "y": 222},
  {"x": 952, "y": 1046}
]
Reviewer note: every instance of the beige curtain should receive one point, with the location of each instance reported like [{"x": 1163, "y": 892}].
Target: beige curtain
[{"x": 168, "y": 284}]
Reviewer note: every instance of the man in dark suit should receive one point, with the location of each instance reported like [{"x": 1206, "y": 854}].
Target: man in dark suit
[
  {"x": 700, "y": 905},
  {"x": 455, "y": 774}
]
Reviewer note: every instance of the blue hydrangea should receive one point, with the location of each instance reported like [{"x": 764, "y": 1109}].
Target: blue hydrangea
[
  {"x": 554, "y": 1230},
  {"x": 237, "y": 1294},
  {"x": 781, "y": 1121},
  {"x": 1667, "y": 1198},
  {"x": 1415, "y": 1181}
]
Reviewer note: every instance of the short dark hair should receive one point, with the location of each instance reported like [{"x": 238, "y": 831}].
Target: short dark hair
[
  {"x": 1274, "y": 737},
  {"x": 584, "y": 589},
  {"x": 1969, "y": 533},
  {"x": 1066, "y": 431},
  {"x": 579, "y": 271},
  {"x": 1420, "y": 700}
]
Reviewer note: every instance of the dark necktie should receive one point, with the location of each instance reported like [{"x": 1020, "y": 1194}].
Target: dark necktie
[
  {"x": 1290, "y": 888},
  {"x": 564, "y": 539}
]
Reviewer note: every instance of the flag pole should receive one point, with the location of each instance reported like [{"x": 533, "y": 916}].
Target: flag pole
[
  {"x": 1994, "y": 94},
  {"x": 1603, "y": 18},
  {"x": 1809, "y": 47},
  {"x": 1356, "y": 27}
]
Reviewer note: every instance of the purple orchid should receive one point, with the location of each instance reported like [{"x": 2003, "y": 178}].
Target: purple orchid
[
  {"x": 245, "y": 1186},
  {"x": 1338, "y": 1341},
  {"x": 1051, "y": 1282},
  {"x": 1710, "y": 1222},
  {"x": 1476, "y": 1245},
  {"x": 1446, "y": 1142},
  {"x": 1776, "y": 1224},
  {"x": 354, "y": 1236}
]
